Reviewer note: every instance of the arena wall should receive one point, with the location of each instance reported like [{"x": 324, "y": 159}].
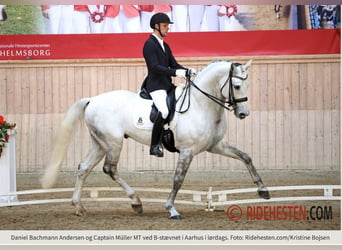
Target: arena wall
[{"x": 294, "y": 102}]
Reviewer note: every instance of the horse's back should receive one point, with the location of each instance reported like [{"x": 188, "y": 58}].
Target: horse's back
[
  {"x": 109, "y": 108},
  {"x": 114, "y": 96},
  {"x": 113, "y": 99}
]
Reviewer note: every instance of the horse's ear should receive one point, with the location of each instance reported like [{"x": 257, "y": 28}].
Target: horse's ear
[{"x": 247, "y": 65}]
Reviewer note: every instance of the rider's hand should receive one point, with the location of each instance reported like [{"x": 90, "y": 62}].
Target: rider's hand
[{"x": 181, "y": 73}]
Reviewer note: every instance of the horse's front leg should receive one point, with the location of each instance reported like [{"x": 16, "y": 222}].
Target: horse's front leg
[
  {"x": 184, "y": 160},
  {"x": 223, "y": 148}
]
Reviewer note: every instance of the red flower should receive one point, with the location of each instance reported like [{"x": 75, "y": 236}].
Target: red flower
[
  {"x": 4, "y": 136},
  {"x": 231, "y": 10},
  {"x": 97, "y": 17},
  {"x": 2, "y": 120}
]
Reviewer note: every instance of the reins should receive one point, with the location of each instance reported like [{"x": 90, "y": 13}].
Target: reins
[{"x": 229, "y": 104}]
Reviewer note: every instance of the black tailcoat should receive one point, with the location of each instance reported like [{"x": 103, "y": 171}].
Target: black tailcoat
[{"x": 161, "y": 65}]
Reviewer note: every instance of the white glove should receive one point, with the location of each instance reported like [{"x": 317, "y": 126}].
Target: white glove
[
  {"x": 181, "y": 85},
  {"x": 192, "y": 72},
  {"x": 181, "y": 73}
]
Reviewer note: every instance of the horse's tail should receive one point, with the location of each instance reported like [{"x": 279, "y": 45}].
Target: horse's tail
[{"x": 72, "y": 117}]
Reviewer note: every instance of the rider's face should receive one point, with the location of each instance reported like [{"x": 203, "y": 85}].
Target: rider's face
[{"x": 164, "y": 29}]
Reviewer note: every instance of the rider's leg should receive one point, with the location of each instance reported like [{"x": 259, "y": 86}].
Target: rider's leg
[
  {"x": 159, "y": 99},
  {"x": 156, "y": 136}
]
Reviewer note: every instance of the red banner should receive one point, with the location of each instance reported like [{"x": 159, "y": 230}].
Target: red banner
[{"x": 191, "y": 44}]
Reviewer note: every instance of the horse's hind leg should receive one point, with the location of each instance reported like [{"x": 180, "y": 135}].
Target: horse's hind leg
[
  {"x": 184, "y": 160},
  {"x": 223, "y": 148},
  {"x": 110, "y": 168},
  {"x": 94, "y": 156}
]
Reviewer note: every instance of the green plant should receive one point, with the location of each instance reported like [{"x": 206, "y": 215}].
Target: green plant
[
  {"x": 22, "y": 19},
  {"x": 4, "y": 136}
]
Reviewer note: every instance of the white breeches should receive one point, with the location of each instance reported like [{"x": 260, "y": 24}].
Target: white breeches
[
  {"x": 60, "y": 19},
  {"x": 129, "y": 24},
  {"x": 210, "y": 20},
  {"x": 145, "y": 18},
  {"x": 159, "y": 99},
  {"x": 180, "y": 18},
  {"x": 195, "y": 17},
  {"x": 81, "y": 22}
]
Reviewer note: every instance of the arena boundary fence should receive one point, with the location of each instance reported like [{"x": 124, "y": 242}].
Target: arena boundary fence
[{"x": 210, "y": 199}]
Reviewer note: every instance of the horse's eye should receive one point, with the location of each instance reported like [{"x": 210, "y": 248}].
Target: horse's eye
[{"x": 237, "y": 87}]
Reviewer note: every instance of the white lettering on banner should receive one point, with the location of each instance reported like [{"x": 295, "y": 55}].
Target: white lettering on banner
[
  {"x": 6, "y": 46},
  {"x": 25, "y": 53},
  {"x": 25, "y": 50}
]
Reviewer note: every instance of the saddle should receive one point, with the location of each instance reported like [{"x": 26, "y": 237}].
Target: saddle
[
  {"x": 170, "y": 101},
  {"x": 168, "y": 140}
]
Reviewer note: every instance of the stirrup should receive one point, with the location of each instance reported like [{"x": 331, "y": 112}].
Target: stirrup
[{"x": 154, "y": 150}]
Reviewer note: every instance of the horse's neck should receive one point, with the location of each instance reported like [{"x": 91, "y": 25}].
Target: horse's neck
[
  {"x": 209, "y": 79},
  {"x": 208, "y": 82}
]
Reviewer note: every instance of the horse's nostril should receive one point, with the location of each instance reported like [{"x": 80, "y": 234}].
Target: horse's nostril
[{"x": 242, "y": 116}]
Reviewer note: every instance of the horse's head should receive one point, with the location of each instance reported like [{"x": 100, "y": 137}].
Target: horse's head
[
  {"x": 234, "y": 89},
  {"x": 225, "y": 83}
]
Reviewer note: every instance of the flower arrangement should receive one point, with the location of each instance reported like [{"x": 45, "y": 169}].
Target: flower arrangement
[{"x": 4, "y": 136}]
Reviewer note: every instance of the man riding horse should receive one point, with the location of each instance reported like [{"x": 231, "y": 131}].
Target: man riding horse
[
  {"x": 161, "y": 65},
  {"x": 221, "y": 85}
]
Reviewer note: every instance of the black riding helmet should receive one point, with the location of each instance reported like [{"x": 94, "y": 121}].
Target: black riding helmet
[{"x": 159, "y": 18}]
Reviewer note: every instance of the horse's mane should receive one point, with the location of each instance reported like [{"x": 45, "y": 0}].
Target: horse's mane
[{"x": 210, "y": 65}]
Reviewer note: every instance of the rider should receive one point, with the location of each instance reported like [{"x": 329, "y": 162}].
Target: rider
[{"x": 161, "y": 66}]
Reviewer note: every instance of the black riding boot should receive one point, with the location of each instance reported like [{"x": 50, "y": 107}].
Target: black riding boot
[{"x": 156, "y": 136}]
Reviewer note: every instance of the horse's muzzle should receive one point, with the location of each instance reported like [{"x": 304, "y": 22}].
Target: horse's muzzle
[{"x": 241, "y": 114}]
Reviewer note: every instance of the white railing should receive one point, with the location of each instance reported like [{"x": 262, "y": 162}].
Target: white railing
[
  {"x": 210, "y": 199},
  {"x": 220, "y": 198},
  {"x": 94, "y": 195}
]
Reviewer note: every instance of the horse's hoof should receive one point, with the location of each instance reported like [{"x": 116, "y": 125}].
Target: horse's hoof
[
  {"x": 80, "y": 213},
  {"x": 138, "y": 208},
  {"x": 176, "y": 217},
  {"x": 264, "y": 194}
]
